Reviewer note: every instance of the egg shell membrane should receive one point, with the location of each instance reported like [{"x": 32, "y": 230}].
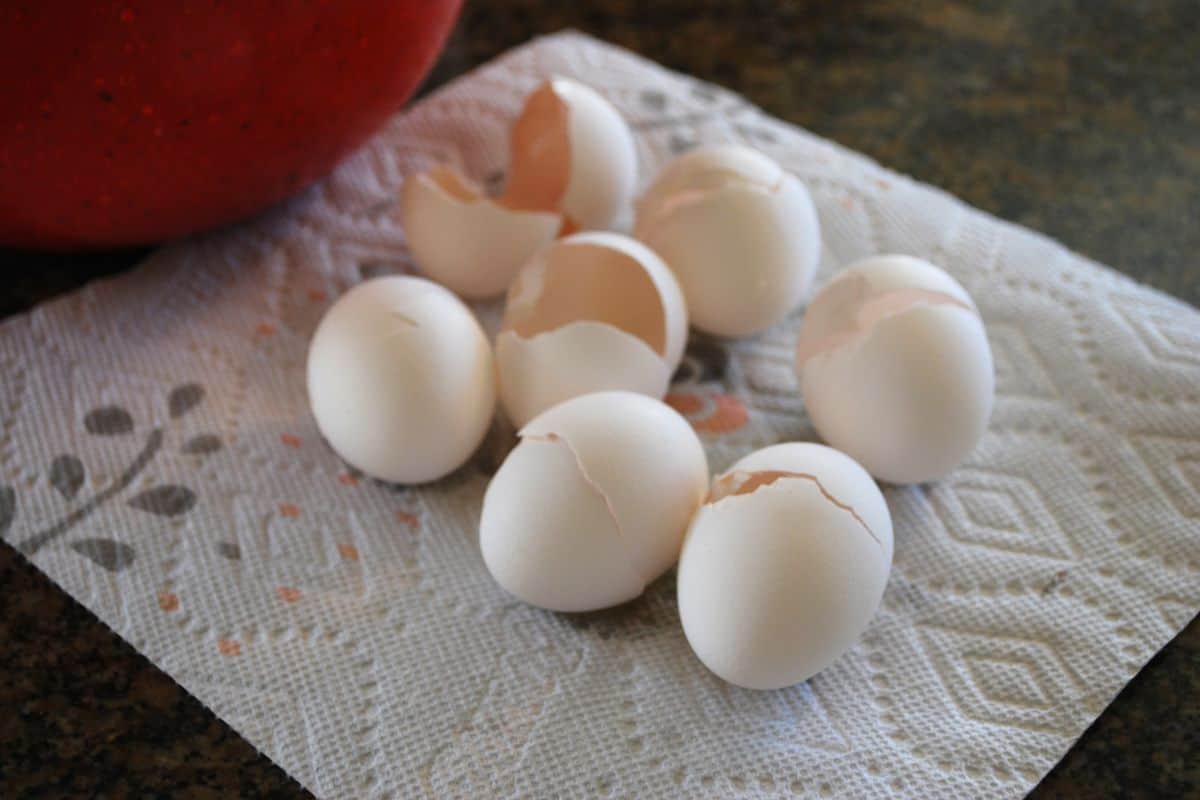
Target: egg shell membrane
[
  {"x": 540, "y": 155},
  {"x": 502, "y": 238},
  {"x": 738, "y": 483},
  {"x": 576, "y": 282},
  {"x": 553, "y": 578},
  {"x": 848, "y": 310}
]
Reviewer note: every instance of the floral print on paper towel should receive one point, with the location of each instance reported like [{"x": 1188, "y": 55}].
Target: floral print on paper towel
[{"x": 67, "y": 475}]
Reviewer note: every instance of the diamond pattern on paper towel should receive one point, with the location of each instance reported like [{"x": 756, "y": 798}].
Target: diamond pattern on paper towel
[{"x": 349, "y": 629}]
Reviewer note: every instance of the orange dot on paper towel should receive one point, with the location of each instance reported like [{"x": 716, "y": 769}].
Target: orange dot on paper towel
[
  {"x": 229, "y": 647},
  {"x": 168, "y": 602},
  {"x": 264, "y": 329},
  {"x": 685, "y": 404},
  {"x": 346, "y": 479},
  {"x": 712, "y": 413},
  {"x": 289, "y": 510},
  {"x": 290, "y": 440},
  {"x": 409, "y": 519},
  {"x": 288, "y": 594},
  {"x": 317, "y": 296},
  {"x": 348, "y": 551}
]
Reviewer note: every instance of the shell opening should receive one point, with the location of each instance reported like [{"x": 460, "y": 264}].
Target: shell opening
[
  {"x": 586, "y": 282},
  {"x": 539, "y": 153},
  {"x": 852, "y": 309},
  {"x": 741, "y": 482}
]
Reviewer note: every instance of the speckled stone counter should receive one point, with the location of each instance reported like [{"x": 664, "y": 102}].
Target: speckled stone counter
[{"x": 1080, "y": 119}]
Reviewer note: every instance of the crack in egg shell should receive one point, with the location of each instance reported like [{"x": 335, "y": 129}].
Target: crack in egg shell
[
  {"x": 739, "y": 483},
  {"x": 740, "y": 233},
  {"x": 399, "y": 377},
  {"x": 895, "y": 368},
  {"x": 776, "y": 578},
  {"x": 615, "y": 465}
]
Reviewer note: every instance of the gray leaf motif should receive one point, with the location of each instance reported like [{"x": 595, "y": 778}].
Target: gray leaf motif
[
  {"x": 166, "y": 501},
  {"x": 654, "y": 99},
  {"x": 202, "y": 445},
  {"x": 8, "y": 508},
  {"x": 184, "y": 398},
  {"x": 66, "y": 475},
  {"x": 113, "y": 556},
  {"x": 229, "y": 550},
  {"x": 108, "y": 421}
]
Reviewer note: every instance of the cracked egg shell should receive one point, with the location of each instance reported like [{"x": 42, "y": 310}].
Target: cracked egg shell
[
  {"x": 784, "y": 565},
  {"x": 571, "y": 152},
  {"x": 895, "y": 368},
  {"x": 740, "y": 233},
  {"x": 591, "y": 312},
  {"x": 592, "y": 504},
  {"x": 470, "y": 243},
  {"x": 400, "y": 379}
]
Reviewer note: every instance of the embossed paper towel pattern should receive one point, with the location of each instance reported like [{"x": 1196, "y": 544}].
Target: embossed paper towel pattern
[{"x": 158, "y": 461}]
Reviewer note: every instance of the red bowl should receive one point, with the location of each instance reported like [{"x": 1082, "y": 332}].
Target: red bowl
[{"x": 131, "y": 122}]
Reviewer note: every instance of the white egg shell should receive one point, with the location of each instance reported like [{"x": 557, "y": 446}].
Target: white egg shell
[
  {"x": 572, "y": 152},
  {"x": 895, "y": 368},
  {"x": 400, "y": 379},
  {"x": 469, "y": 243},
  {"x": 739, "y": 232},
  {"x": 784, "y": 566},
  {"x": 591, "y": 312},
  {"x": 592, "y": 504}
]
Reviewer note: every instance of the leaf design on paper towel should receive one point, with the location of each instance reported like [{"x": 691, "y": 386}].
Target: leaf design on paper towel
[
  {"x": 184, "y": 398},
  {"x": 202, "y": 445},
  {"x": 166, "y": 501},
  {"x": 108, "y": 421},
  {"x": 66, "y": 475},
  {"x": 8, "y": 508},
  {"x": 229, "y": 550},
  {"x": 113, "y": 556}
]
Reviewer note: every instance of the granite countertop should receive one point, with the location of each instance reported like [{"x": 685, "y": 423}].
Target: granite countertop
[{"x": 1078, "y": 118}]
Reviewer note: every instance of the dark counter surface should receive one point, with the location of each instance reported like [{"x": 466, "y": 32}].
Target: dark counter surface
[{"x": 1080, "y": 119}]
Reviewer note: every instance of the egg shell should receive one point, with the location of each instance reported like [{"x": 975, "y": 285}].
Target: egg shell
[
  {"x": 784, "y": 567},
  {"x": 572, "y": 152},
  {"x": 400, "y": 379},
  {"x": 591, "y": 312},
  {"x": 592, "y": 504},
  {"x": 895, "y": 368},
  {"x": 469, "y": 243},
  {"x": 739, "y": 232}
]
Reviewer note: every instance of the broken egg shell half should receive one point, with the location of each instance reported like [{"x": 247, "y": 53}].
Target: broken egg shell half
[
  {"x": 471, "y": 244},
  {"x": 592, "y": 504},
  {"x": 572, "y": 152},
  {"x": 400, "y": 379},
  {"x": 591, "y": 312},
  {"x": 740, "y": 233},
  {"x": 895, "y": 368},
  {"x": 784, "y": 565}
]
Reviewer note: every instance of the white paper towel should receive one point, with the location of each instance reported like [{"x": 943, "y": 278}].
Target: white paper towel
[{"x": 159, "y": 462}]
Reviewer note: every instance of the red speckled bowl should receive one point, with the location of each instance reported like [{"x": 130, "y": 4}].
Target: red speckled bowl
[{"x": 131, "y": 122}]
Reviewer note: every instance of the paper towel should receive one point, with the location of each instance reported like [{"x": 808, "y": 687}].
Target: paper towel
[{"x": 158, "y": 461}]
